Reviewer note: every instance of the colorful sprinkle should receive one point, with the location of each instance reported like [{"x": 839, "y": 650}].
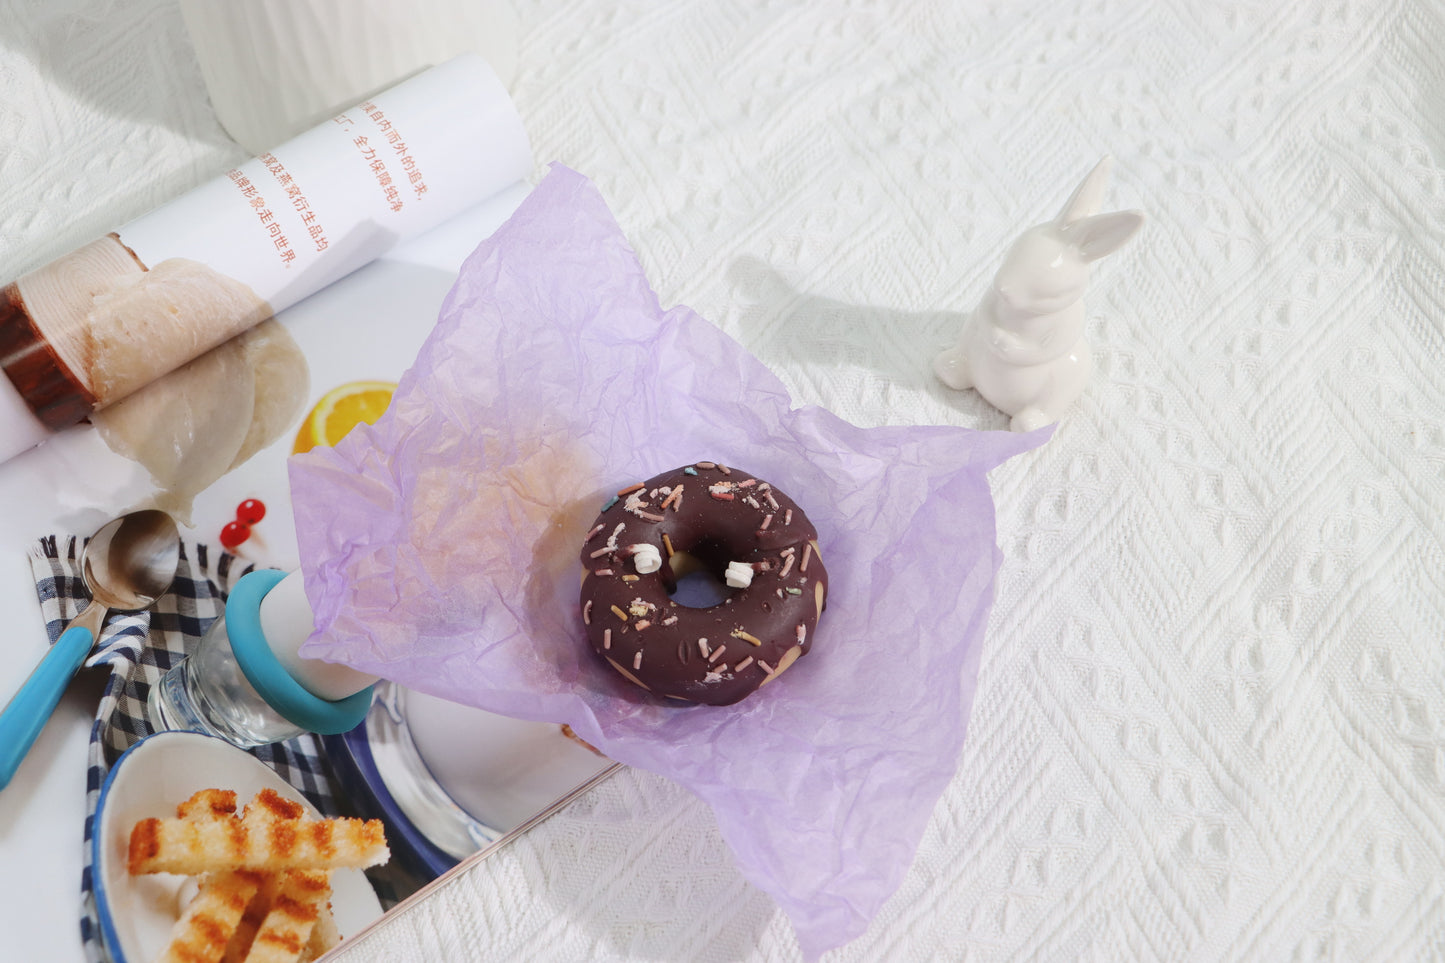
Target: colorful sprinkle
[
  {"x": 667, "y": 543},
  {"x": 802, "y": 633},
  {"x": 772, "y": 502},
  {"x": 748, "y": 483},
  {"x": 788, "y": 517},
  {"x": 787, "y": 567},
  {"x": 603, "y": 571},
  {"x": 704, "y": 465},
  {"x": 630, "y": 489},
  {"x": 642, "y": 624},
  {"x": 724, "y": 469},
  {"x": 746, "y": 637},
  {"x": 587, "y": 613},
  {"x": 606, "y": 638},
  {"x": 743, "y": 664},
  {"x": 609, "y": 503},
  {"x": 702, "y": 647},
  {"x": 637, "y": 660},
  {"x": 794, "y": 591},
  {"x": 716, "y": 653},
  {"x": 766, "y": 522},
  {"x": 670, "y": 620},
  {"x": 635, "y": 504},
  {"x": 722, "y": 496},
  {"x": 631, "y": 578},
  {"x": 689, "y": 471},
  {"x": 765, "y": 667},
  {"x": 807, "y": 554},
  {"x": 619, "y": 613},
  {"x": 593, "y": 534},
  {"x": 600, "y": 552}
]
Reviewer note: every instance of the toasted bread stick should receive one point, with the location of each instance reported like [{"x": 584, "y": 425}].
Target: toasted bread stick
[
  {"x": 286, "y": 931},
  {"x": 255, "y": 841},
  {"x": 204, "y": 929}
]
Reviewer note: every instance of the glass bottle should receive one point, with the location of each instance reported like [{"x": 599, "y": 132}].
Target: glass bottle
[{"x": 246, "y": 682}]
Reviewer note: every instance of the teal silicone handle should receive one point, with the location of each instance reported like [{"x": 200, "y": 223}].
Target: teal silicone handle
[{"x": 28, "y": 711}]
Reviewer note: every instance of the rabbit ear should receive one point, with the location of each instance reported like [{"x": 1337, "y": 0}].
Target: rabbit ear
[
  {"x": 1104, "y": 233},
  {"x": 1089, "y": 195}
]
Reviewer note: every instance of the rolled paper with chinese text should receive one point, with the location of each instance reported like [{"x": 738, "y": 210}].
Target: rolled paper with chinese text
[{"x": 91, "y": 327}]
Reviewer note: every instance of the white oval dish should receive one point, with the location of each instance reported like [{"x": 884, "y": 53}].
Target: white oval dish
[
  {"x": 501, "y": 771},
  {"x": 450, "y": 779},
  {"x": 136, "y": 912}
]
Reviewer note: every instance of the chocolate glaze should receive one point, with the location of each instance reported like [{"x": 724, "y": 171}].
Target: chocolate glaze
[{"x": 722, "y": 516}]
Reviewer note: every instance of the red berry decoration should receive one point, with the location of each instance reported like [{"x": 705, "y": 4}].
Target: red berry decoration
[
  {"x": 234, "y": 533},
  {"x": 251, "y": 511}
]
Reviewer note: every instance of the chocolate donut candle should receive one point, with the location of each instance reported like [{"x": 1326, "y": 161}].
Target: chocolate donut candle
[{"x": 711, "y": 518}]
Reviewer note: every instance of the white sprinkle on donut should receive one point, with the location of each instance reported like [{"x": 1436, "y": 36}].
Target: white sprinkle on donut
[
  {"x": 739, "y": 575},
  {"x": 645, "y": 558}
]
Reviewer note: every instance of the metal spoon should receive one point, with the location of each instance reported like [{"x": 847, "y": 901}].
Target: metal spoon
[{"x": 128, "y": 564}]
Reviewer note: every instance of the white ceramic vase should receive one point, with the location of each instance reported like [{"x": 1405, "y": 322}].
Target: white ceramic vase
[{"x": 275, "y": 68}]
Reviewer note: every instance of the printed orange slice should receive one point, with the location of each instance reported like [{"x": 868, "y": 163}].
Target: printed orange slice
[{"x": 342, "y": 409}]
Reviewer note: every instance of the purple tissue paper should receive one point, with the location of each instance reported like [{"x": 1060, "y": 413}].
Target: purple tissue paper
[{"x": 440, "y": 550}]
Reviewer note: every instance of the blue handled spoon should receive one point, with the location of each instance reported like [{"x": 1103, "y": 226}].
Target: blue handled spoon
[{"x": 128, "y": 564}]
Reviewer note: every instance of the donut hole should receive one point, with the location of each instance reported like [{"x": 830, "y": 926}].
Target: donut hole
[{"x": 696, "y": 584}]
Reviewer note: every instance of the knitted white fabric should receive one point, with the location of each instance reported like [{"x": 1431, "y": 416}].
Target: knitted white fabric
[{"x": 1210, "y": 721}]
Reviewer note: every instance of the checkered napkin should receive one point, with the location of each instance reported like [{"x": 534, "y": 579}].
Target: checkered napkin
[{"x": 139, "y": 647}]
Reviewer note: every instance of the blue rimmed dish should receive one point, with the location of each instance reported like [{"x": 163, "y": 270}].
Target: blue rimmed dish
[
  {"x": 450, "y": 780},
  {"x": 136, "y": 913}
]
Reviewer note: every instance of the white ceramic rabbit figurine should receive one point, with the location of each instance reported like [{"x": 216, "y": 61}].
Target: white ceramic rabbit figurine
[{"x": 1023, "y": 347}]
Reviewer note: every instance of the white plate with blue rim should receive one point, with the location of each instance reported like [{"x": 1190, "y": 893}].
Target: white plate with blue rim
[
  {"x": 450, "y": 780},
  {"x": 136, "y": 913}
]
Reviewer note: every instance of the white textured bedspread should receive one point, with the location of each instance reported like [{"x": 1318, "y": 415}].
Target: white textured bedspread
[{"x": 1210, "y": 721}]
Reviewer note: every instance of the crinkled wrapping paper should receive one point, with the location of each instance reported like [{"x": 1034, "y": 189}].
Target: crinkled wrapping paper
[{"x": 440, "y": 550}]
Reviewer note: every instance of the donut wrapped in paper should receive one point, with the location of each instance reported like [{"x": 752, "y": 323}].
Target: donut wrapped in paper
[{"x": 440, "y": 550}]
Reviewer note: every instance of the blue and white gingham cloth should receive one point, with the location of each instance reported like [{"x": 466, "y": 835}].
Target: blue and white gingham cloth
[{"x": 139, "y": 647}]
